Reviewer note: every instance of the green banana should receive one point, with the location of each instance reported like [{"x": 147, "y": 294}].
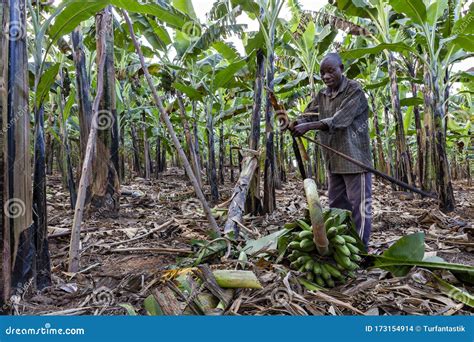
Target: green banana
[
  {"x": 355, "y": 257},
  {"x": 303, "y": 259},
  {"x": 305, "y": 235},
  {"x": 329, "y": 222},
  {"x": 295, "y": 264},
  {"x": 352, "y": 248},
  {"x": 333, "y": 271},
  {"x": 330, "y": 283},
  {"x": 319, "y": 281},
  {"x": 343, "y": 260},
  {"x": 349, "y": 239},
  {"x": 341, "y": 229},
  {"x": 309, "y": 265},
  {"x": 353, "y": 266},
  {"x": 291, "y": 225},
  {"x": 307, "y": 245},
  {"x": 325, "y": 274},
  {"x": 303, "y": 225},
  {"x": 342, "y": 249},
  {"x": 293, "y": 256},
  {"x": 338, "y": 240},
  {"x": 317, "y": 268},
  {"x": 294, "y": 245},
  {"x": 331, "y": 232}
]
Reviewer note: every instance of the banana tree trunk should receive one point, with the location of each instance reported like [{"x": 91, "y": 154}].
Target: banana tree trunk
[
  {"x": 388, "y": 141},
  {"x": 428, "y": 137},
  {"x": 16, "y": 214},
  {"x": 221, "y": 153},
  {"x": 281, "y": 158},
  {"x": 105, "y": 187},
  {"x": 189, "y": 140},
  {"x": 419, "y": 136},
  {"x": 197, "y": 149},
  {"x": 83, "y": 91},
  {"x": 278, "y": 184},
  {"x": 146, "y": 148},
  {"x": 49, "y": 148},
  {"x": 212, "y": 155},
  {"x": 269, "y": 199},
  {"x": 379, "y": 147},
  {"x": 65, "y": 148},
  {"x": 231, "y": 163},
  {"x": 403, "y": 154},
  {"x": 136, "y": 149},
  {"x": 253, "y": 201},
  {"x": 443, "y": 177},
  {"x": 40, "y": 212},
  {"x": 412, "y": 67},
  {"x": 157, "y": 157}
]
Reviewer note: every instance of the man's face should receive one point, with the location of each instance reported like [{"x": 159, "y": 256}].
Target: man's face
[{"x": 331, "y": 73}]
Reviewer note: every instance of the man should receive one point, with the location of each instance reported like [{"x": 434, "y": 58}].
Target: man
[{"x": 343, "y": 122}]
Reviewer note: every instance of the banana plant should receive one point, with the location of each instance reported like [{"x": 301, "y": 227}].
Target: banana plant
[
  {"x": 379, "y": 13},
  {"x": 438, "y": 42}
]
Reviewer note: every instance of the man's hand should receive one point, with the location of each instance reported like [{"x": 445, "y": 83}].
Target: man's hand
[{"x": 301, "y": 129}]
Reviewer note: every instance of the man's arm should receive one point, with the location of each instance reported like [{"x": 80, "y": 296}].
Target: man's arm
[
  {"x": 350, "y": 108},
  {"x": 310, "y": 115}
]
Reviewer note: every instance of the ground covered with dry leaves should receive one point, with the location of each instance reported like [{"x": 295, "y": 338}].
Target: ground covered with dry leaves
[{"x": 124, "y": 259}]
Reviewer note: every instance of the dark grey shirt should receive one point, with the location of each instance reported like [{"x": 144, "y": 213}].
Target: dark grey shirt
[{"x": 345, "y": 112}]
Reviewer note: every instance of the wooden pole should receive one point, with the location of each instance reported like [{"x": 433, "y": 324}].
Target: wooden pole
[
  {"x": 74, "y": 247},
  {"x": 374, "y": 171},
  {"x": 169, "y": 126}
]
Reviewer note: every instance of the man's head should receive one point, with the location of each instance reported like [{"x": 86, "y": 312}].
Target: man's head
[{"x": 331, "y": 70}]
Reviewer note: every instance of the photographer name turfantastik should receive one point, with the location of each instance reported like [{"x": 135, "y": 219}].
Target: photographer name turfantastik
[{"x": 444, "y": 328}]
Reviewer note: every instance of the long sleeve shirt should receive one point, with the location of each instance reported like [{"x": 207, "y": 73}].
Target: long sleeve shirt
[{"x": 345, "y": 112}]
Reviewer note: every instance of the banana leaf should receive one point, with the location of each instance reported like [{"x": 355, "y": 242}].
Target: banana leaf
[
  {"x": 409, "y": 251},
  {"x": 310, "y": 286},
  {"x": 266, "y": 243},
  {"x": 455, "y": 293}
]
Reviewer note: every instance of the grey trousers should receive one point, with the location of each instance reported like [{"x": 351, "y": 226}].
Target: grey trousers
[{"x": 353, "y": 192}]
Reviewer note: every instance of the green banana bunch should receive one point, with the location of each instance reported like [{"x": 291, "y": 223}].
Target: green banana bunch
[{"x": 329, "y": 270}]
